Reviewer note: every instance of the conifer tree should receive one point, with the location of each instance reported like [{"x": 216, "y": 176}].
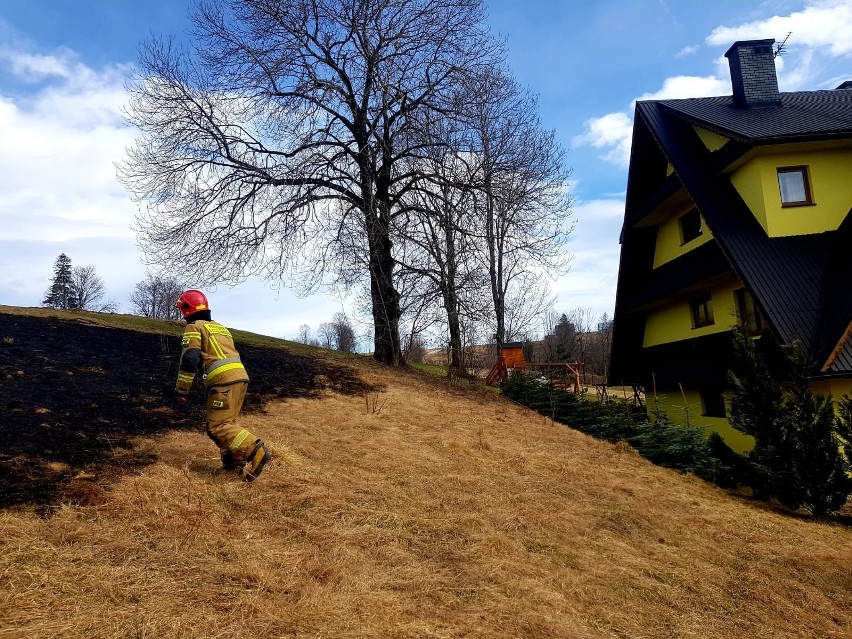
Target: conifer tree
[
  {"x": 796, "y": 456},
  {"x": 844, "y": 427},
  {"x": 755, "y": 407},
  {"x": 59, "y": 294},
  {"x": 814, "y": 470}
]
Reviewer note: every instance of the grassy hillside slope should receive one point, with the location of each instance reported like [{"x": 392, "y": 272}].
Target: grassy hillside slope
[{"x": 412, "y": 509}]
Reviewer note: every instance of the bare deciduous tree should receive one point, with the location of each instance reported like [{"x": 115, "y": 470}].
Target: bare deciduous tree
[
  {"x": 583, "y": 320},
  {"x": 344, "y": 334},
  {"x": 528, "y": 298},
  {"x": 326, "y": 335},
  {"x": 601, "y": 347},
  {"x": 304, "y": 334},
  {"x": 439, "y": 239},
  {"x": 88, "y": 289},
  {"x": 296, "y": 125},
  {"x": 524, "y": 206},
  {"x": 419, "y": 314},
  {"x": 415, "y": 350},
  {"x": 155, "y": 296}
]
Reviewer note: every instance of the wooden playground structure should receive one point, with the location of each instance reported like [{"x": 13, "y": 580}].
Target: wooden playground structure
[{"x": 557, "y": 373}]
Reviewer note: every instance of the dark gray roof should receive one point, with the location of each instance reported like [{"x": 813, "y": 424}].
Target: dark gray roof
[
  {"x": 843, "y": 362},
  {"x": 801, "y": 114}
]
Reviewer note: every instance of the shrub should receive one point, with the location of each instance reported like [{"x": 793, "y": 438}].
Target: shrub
[
  {"x": 811, "y": 471},
  {"x": 797, "y": 457},
  {"x": 673, "y": 446},
  {"x": 844, "y": 426},
  {"x": 733, "y": 469},
  {"x": 683, "y": 448}
]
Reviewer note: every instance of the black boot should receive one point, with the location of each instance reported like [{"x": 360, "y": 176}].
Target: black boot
[
  {"x": 228, "y": 461},
  {"x": 256, "y": 460}
]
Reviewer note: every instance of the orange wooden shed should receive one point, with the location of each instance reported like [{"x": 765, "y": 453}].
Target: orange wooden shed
[{"x": 512, "y": 357}]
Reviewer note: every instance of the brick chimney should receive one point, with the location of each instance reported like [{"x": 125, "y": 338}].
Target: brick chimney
[{"x": 753, "y": 78}]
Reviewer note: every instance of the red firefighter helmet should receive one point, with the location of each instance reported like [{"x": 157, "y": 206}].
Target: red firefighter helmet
[{"x": 191, "y": 301}]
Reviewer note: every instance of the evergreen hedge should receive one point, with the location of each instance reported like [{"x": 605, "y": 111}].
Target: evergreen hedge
[{"x": 683, "y": 448}]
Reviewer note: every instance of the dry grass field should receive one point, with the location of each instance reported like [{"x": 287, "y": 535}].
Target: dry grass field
[{"x": 418, "y": 510}]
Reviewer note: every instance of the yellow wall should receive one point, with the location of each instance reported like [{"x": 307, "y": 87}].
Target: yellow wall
[
  {"x": 689, "y": 411},
  {"x": 711, "y": 140},
  {"x": 749, "y": 183},
  {"x": 836, "y": 387},
  {"x": 829, "y": 171},
  {"x": 673, "y": 322},
  {"x": 668, "y": 246},
  {"x": 685, "y": 407}
]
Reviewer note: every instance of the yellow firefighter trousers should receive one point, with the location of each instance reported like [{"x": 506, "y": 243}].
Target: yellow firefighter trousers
[{"x": 224, "y": 403}]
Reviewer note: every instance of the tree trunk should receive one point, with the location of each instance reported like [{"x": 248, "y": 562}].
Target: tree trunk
[
  {"x": 495, "y": 271},
  {"x": 451, "y": 306},
  {"x": 385, "y": 298},
  {"x": 500, "y": 312},
  {"x": 451, "y": 300}
]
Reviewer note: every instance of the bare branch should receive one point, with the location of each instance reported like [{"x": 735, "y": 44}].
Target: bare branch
[{"x": 289, "y": 137}]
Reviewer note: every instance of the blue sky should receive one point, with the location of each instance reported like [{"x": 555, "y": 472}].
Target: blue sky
[{"x": 63, "y": 64}]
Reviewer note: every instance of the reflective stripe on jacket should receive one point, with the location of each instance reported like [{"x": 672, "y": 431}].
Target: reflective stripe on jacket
[{"x": 208, "y": 346}]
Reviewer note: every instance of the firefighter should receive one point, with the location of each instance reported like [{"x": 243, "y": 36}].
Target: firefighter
[{"x": 207, "y": 345}]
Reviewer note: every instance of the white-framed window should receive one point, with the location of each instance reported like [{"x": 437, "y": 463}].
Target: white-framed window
[{"x": 794, "y": 186}]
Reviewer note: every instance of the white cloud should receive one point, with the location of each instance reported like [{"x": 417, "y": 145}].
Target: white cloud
[
  {"x": 591, "y": 282},
  {"x": 688, "y": 86},
  {"x": 822, "y": 30},
  {"x": 611, "y": 132},
  {"x": 32, "y": 68},
  {"x": 822, "y": 24},
  {"x": 687, "y": 51},
  {"x": 600, "y": 209},
  {"x": 57, "y": 155},
  {"x": 819, "y": 34},
  {"x": 62, "y": 133},
  {"x": 799, "y": 76}
]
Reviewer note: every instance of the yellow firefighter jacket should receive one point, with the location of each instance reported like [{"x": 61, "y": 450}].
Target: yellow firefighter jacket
[{"x": 208, "y": 346}]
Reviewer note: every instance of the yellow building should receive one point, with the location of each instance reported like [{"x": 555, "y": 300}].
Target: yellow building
[{"x": 737, "y": 211}]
